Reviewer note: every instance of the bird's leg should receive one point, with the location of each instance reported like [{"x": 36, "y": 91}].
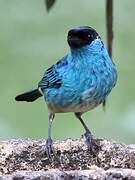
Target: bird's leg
[
  {"x": 91, "y": 143},
  {"x": 49, "y": 148}
]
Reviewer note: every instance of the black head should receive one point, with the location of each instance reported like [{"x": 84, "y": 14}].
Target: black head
[{"x": 79, "y": 37}]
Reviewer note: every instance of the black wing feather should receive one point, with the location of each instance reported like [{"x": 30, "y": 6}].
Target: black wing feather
[
  {"x": 53, "y": 76},
  {"x": 51, "y": 79}
]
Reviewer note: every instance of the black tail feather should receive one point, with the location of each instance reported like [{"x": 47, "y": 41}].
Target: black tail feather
[{"x": 29, "y": 96}]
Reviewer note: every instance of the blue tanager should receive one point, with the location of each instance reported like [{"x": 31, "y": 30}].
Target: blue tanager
[{"x": 78, "y": 82}]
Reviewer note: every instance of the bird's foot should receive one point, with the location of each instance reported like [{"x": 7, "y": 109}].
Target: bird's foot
[
  {"x": 49, "y": 148},
  {"x": 91, "y": 142}
]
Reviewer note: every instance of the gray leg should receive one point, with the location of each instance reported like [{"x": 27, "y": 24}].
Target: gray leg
[
  {"x": 49, "y": 148},
  {"x": 91, "y": 143}
]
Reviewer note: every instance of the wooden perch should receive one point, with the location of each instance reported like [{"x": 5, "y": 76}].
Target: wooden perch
[{"x": 23, "y": 159}]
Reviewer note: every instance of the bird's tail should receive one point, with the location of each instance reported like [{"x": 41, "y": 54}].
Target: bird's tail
[{"x": 29, "y": 96}]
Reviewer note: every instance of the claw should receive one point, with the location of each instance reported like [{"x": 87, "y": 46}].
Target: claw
[
  {"x": 91, "y": 142},
  {"x": 49, "y": 148}
]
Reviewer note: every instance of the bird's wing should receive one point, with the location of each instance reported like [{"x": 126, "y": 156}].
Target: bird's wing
[{"x": 53, "y": 76}]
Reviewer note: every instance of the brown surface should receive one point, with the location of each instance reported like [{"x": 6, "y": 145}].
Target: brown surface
[{"x": 72, "y": 159}]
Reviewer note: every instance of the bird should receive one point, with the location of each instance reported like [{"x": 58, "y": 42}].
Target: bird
[{"x": 78, "y": 82}]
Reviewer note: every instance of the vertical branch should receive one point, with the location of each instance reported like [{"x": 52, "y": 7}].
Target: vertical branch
[{"x": 109, "y": 25}]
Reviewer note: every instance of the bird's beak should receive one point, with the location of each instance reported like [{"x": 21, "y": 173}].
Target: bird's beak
[{"x": 74, "y": 42}]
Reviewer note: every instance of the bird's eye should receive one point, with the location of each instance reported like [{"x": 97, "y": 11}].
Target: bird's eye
[{"x": 89, "y": 35}]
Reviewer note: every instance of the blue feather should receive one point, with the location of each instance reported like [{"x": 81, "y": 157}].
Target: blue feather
[{"x": 81, "y": 80}]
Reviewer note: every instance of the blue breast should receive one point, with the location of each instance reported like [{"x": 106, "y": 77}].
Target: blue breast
[{"x": 87, "y": 80}]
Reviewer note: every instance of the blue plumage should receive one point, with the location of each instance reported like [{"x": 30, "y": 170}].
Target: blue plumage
[
  {"x": 81, "y": 80},
  {"x": 78, "y": 82}
]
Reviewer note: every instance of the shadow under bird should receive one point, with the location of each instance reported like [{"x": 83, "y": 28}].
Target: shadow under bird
[{"x": 78, "y": 82}]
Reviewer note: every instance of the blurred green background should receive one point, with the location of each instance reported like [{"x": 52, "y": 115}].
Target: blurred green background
[{"x": 31, "y": 40}]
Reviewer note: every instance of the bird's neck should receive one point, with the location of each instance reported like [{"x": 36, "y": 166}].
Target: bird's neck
[{"x": 94, "y": 49}]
